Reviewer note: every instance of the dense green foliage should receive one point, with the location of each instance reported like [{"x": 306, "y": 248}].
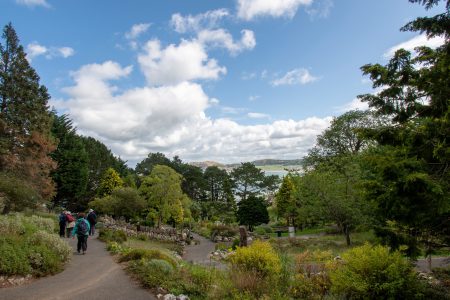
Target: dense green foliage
[
  {"x": 252, "y": 212},
  {"x": 28, "y": 245}
]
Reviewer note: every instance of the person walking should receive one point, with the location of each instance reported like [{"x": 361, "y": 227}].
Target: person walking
[
  {"x": 81, "y": 229},
  {"x": 92, "y": 219},
  {"x": 62, "y": 224},
  {"x": 70, "y": 223}
]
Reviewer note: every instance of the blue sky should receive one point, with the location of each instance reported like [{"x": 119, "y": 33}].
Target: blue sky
[{"x": 229, "y": 81}]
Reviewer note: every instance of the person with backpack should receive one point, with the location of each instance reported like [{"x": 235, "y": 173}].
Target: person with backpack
[
  {"x": 92, "y": 219},
  {"x": 70, "y": 223},
  {"x": 81, "y": 229},
  {"x": 62, "y": 224}
]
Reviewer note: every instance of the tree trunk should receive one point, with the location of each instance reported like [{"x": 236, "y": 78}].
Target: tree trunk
[{"x": 347, "y": 235}]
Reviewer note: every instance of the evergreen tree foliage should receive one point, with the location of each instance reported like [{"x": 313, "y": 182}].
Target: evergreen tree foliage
[
  {"x": 285, "y": 200},
  {"x": 410, "y": 179},
  {"x": 252, "y": 211},
  {"x": 25, "y": 121},
  {"x": 250, "y": 181},
  {"x": 71, "y": 175}
]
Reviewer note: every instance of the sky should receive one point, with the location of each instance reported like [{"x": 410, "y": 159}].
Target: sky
[{"x": 222, "y": 80}]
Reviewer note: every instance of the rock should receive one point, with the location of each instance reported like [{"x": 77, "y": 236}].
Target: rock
[
  {"x": 182, "y": 297},
  {"x": 170, "y": 297},
  {"x": 159, "y": 296}
]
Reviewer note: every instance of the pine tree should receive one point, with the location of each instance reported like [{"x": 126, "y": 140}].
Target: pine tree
[{"x": 25, "y": 121}]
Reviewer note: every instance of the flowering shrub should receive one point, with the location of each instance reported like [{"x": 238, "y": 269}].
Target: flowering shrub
[
  {"x": 44, "y": 224},
  {"x": 11, "y": 225},
  {"x": 53, "y": 242}
]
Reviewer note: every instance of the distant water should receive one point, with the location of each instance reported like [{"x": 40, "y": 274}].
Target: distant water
[{"x": 279, "y": 173}]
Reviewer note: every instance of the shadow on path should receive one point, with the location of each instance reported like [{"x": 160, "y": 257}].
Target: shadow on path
[{"x": 94, "y": 276}]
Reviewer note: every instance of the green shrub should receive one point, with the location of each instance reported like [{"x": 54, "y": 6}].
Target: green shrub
[
  {"x": 11, "y": 225},
  {"x": 41, "y": 223},
  {"x": 111, "y": 235},
  {"x": 374, "y": 273},
  {"x": 114, "y": 247},
  {"x": 223, "y": 230},
  {"x": 14, "y": 257},
  {"x": 256, "y": 268},
  {"x": 52, "y": 242},
  {"x": 193, "y": 280},
  {"x": 153, "y": 273},
  {"x": 44, "y": 261},
  {"x": 148, "y": 254}
]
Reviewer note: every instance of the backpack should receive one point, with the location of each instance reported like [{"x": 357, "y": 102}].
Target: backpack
[
  {"x": 82, "y": 228},
  {"x": 70, "y": 218},
  {"x": 62, "y": 218},
  {"x": 92, "y": 217}
]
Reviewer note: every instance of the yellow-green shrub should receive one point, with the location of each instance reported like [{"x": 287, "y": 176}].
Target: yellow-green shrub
[
  {"x": 259, "y": 257},
  {"x": 373, "y": 272},
  {"x": 255, "y": 268},
  {"x": 148, "y": 254}
]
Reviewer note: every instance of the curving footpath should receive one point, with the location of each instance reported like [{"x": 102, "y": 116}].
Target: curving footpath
[
  {"x": 200, "y": 254},
  {"x": 94, "y": 276}
]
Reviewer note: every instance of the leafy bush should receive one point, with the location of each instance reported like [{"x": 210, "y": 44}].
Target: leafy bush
[
  {"x": 374, "y": 273},
  {"x": 263, "y": 229},
  {"x": 223, "y": 230},
  {"x": 46, "y": 224},
  {"x": 153, "y": 273},
  {"x": 137, "y": 254},
  {"x": 255, "y": 268},
  {"x": 14, "y": 257},
  {"x": 11, "y": 225},
  {"x": 110, "y": 235},
  {"x": 53, "y": 242},
  {"x": 17, "y": 194}
]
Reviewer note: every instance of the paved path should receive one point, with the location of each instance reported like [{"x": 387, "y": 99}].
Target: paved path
[
  {"x": 199, "y": 254},
  {"x": 94, "y": 276}
]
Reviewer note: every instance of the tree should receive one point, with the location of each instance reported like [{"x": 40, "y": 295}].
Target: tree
[
  {"x": 71, "y": 175},
  {"x": 25, "y": 121},
  {"x": 109, "y": 182},
  {"x": 16, "y": 194},
  {"x": 100, "y": 158},
  {"x": 249, "y": 181},
  {"x": 123, "y": 202},
  {"x": 252, "y": 212},
  {"x": 220, "y": 201},
  {"x": 410, "y": 181},
  {"x": 334, "y": 174},
  {"x": 164, "y": 196},
  {"x": 285, "y": 200},
  {"x": 146, "y": 166}
]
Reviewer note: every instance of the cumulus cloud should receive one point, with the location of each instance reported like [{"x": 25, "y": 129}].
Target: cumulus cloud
[
  {"x": 420, "y": 40},
  {"x": 34, "y": 49},
  {"x": 177, "y": 63},
  {"x": 254, "y": 115},
  {"x": 31, "y": 3},
  {"x": 251, "y": 9},
  {"x": 171, "y": 119},
  {"x": 320, "y": 8},
  {"x": 296, "y": 76},
  {"x": 136, "y": 30},
  {"x": 207, "y": 20},
  {"x": 355, "y": 104},
  {"x": 221, "y": 38}
]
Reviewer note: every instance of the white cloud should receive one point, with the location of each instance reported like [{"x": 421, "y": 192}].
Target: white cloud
[
  {"x": 34, "y": 49},
  {"x": 31, "y": 3},
  {"x": 253, "y": 98},
  {"x": 221, "y": 38},
  {"x": 136, "y": 30},
  {"x": 190, "y": 23},
  {"x": 250, "y": 9},
  {"x": 65, "y": 51},
  {"x": 355, "y": 104},
  {"x": 171, "y": 119},
  {"x": 214, "y": 101},
  {"x": 320, "y": 8},
  {"x": 254, "y": 115},
  {"x": 420, "y": 40},
  {"x": 175, "y": 64},
  {"x": 296, "y": 76}
]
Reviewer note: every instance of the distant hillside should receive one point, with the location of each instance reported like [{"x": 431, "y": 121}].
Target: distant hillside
[
  {"x": 282, "y": 162},
  {"x": 258, "y": 163},
  {"x": 208, "y": 163}
]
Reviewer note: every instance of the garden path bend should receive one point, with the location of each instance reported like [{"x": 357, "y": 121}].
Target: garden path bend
[{"x": 94, "y": 276}]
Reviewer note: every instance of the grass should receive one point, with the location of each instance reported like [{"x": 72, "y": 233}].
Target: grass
[{"x": 166, "y": 247}]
